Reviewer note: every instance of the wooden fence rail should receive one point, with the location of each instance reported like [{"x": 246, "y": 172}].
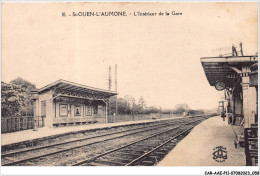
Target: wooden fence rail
[{"x": 12, "y": 124}]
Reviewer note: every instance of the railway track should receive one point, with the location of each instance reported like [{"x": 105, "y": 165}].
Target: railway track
[
  {"x": 147, "y": 151},
  {"x": 32, "y": 156},
  {"x": 6, "y": 154},
  {"x": 20, "y": 146},
  {"x": 73, "y": 136}
]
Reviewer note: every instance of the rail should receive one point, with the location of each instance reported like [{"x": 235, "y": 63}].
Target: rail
[
  {"x": 91, "y": 159},
  {"x": 47, "y": 151}
]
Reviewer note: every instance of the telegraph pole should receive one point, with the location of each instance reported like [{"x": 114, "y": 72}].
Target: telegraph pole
[
  {"x": 109, "y": 88},
  {"x": 109, "y": 78},
  {"x": 116, "y": 91}
]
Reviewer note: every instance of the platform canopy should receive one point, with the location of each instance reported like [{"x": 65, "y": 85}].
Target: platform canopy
[
  {"x": 226, "y": 69},
  {"x": 77, "y": 90}
]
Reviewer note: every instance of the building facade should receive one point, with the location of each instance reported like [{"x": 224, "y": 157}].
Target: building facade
[
  {"x": 237, "y": 76},
  {"x": 232, "y": 75},
  {"x": 64, "y": 102}
]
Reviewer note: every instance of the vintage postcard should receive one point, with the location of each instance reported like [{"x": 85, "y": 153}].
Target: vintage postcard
[{"x": 98, "y": 84}]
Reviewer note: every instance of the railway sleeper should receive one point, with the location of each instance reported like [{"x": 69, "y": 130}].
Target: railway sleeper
[
  {"x": 58, "y": 147},
  {"x": 172, "y": 144},
  {"x": 151, "y": 158},
  {"x": 116, "y": 162},
  {"x": 133, "y": 150},
  {"x": 169, "y": 146},
  {"x": 154, "y": 141},
  {"x": 159, "y": 153},
  {"x": 10, "y": 159},
  {"x": 146, "y": 149},
  {"x": 173, "y": 141},
  {"x": 157, "y": 159},
  {"x": 95, "y": 164},
  {"x": 164, "y": 149},
  {"x": 29, "y": 163},
  {"x": 147, "y": 162},
  {"x": 108, "y": 162},
  {"x": 127, "y": 154},
  {"x": 148, "y": 146},
  {"x": 117, "y": 159}
]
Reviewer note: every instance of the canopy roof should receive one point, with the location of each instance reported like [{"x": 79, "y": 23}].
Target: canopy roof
[
  {"x": 220, "y": 68},
  {"x": 75, "y": 87}
]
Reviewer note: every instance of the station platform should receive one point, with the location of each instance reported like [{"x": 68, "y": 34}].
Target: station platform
[
  {"x": 20, "y": 136},
  {"x": 198, "y": 147}
]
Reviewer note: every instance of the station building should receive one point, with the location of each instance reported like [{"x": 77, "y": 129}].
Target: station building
[
  {"x": 64, "y": 102},
  {"x": 237, "y": 76}
]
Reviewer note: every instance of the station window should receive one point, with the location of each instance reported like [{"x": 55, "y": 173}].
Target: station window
[
  {"x": 63, "y": 110},
  {"x": 88, "y": 111},
  {"x": 77, "y": 110}
]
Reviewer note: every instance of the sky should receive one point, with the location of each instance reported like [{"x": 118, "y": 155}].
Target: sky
[{"x": 158, "y": 57}]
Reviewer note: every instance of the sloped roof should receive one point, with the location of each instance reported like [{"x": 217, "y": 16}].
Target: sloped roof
[
  {"x": 71, "y": 86},
  {"x": 218, "y": 68}
]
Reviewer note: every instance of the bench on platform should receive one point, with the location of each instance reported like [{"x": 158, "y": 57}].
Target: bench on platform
[{"x": 72, "y": 121}]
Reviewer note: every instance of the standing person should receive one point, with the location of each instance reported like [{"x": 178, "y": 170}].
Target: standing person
[
  {"x": 234, "y": 51},
  {"x": 230, "y": 115},
  {"x": 223, "y": 115},
  {"x": 230, "y": 118}
]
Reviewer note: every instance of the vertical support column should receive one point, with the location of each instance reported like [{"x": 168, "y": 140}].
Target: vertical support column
[
  {"x": 252, "y": 104},
  {"x": 234, "y": 108},
  {"x": 35, "y": 113},
  {"x": 48, "y": 121},
  {"x": 249, "y": 98},
  {"x": 52, "y": 112},
  {"x": 35, "y": 98},
  {"x": 245, "y": 90},
  {"x": 55, "y": 108},
  {"x": 245, "y": 86}
]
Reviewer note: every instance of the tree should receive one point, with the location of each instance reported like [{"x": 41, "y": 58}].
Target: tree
[
  {"x": 16, "y": 98},
  {"x": 123, "y": 105},
  {"x": 25, "y": 85},
  {"x": 141, "y": 106},
  {"x": 9, "y": 100},
  {"x": 26, "y": 104},
  {"x": 152, "y": 110},
  {"x": 180, "y": 108}
]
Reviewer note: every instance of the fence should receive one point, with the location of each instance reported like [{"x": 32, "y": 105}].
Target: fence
[{"x": 12, "y": 124}]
